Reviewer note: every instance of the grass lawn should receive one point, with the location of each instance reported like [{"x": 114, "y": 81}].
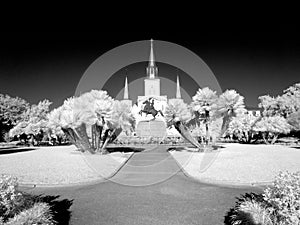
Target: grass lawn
[
  {"x": 239, "y": 163},
  {"x": 60, "y": 165}
]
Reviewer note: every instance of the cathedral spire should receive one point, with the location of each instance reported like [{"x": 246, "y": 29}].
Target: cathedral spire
[
  {"x": 151, "y": 58},
  {"x": 126, "y": 90},
  {"x": 178, "y": 93},
  {"x": 151, "y": 69}
]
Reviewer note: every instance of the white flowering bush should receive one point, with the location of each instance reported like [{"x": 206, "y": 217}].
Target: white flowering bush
[
  {"x": 284, "y": 197},
  {"x": 40, "y": 213},
  {"x": 9, "y": 196},
  {"x": 17, "y": 208},
  {"x": 279, "y": 204}
]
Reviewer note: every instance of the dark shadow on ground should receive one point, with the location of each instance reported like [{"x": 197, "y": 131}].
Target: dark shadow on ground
[
  {"x": 296, "y": 147},
  {"x": 124, "y": 149},
  {"x": 14, "y": 150},
  {"x": 60, "y": 208},
  {"x": 194, "y": 149}
]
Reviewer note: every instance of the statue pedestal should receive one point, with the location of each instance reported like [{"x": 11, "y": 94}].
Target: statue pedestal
[{"x": 151, "y": 128}]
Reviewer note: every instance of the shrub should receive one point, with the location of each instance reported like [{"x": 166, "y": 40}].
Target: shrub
[
  {"x": 250, "y": 209},
  {"x": 18, "y": 208},
  {"x": 40, "y": 213},
  {"x": 278, "y": 205},
  {"x": 9, "y": 196},
  {"x": 254, "y": 212},
  {"x": 284, "y": 197}
]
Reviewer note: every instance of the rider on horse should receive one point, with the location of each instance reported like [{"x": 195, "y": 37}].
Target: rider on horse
[{"x": 149, "y": 108}]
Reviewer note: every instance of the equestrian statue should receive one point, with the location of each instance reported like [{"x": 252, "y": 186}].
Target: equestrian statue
[{"x": 149, "y": 108}]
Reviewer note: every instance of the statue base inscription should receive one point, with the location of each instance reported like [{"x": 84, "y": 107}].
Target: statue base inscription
[{"x": 151, "y": 128}]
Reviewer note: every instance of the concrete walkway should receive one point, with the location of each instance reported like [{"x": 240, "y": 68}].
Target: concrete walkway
[
  {"x": 149, "y": 189},
  {"x": 146, "y": 168}
]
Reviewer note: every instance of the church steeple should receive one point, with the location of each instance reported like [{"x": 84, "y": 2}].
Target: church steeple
[
  {"x": 126, "y": 90},
  {"x": 178, "y": 93},
  {"x": 152, "y": 70}
]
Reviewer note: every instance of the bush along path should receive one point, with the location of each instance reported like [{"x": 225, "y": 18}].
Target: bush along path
[
  {"x": 277, "y": 205},
  {"x": 19, "y": 208}
]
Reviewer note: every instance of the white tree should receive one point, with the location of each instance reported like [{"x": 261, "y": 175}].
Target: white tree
[
  {"x": 34, "y": 122},
  {"x": 229, "y": 104},
  {"x": 271, "y": 127},
  {"x": 241, "y": 127},
  {"x": 177, "y": 114},
  {"x": 203, "y": 105},
  {"x": 95, "y": 110},
  {"x": 119, "y": 119},
  {"x": 294, "y": 120}
]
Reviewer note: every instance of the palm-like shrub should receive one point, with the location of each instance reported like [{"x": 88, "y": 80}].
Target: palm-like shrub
[
  {"x": 40, "y": 213},
  {"x": 177, "y": 114},
  {"x": 94, "y": 110},
  {"x": 120, "y": 118},
  {"x": 203, "y": 105},
  {"x": 251, "y": 212},
  {"x": 177, "y": 109},
  {"x": 230, "y": 104},
  {"x": 65, "y": 118}
]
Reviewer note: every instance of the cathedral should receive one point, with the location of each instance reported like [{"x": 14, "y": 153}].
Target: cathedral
[{"x": 150, "y": 107}]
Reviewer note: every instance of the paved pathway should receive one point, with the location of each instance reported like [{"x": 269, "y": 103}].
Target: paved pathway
[
  {"x": 147, "y": 168},
  {"x": 149, "y": 189}
]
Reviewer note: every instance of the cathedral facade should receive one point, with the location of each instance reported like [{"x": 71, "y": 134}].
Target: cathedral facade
[{"x": 150, "y": 107}]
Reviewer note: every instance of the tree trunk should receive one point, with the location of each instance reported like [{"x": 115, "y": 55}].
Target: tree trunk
[
  {"x": 186, "y": 134},
  {"x": 207, "y": 135},
  {"x": 225, "y": 124},
  {"x": 98, "y": 136},
  {"x": 116, "y": 133},
  {"x": 214, "y": 140},
  {"x": 71, "y": 135},
  {"x": 106, "y": 134},
  {"x": 265, "y": 139},
  {"x": 93, "y": 136},
  {"x": 107, "y": 140},
  {"x": 83, "y": 137},
  {"x": 274, "y": 139}
]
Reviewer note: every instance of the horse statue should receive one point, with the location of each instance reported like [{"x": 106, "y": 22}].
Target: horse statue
[{"x": 149, "y": 109}]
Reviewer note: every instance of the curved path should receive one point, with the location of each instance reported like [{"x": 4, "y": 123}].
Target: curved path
[{"x": 149, "y": 189}]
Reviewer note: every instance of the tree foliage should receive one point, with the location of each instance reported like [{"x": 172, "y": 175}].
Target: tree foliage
[
  {"x": 229, "y": 105},
  {"x": 294, "y": 120},
  {"x": 179, "y": 109},
  {"x": 271, "y": 127},
  {"x": 95, "y": 111},
  {"x": 282, "y": 105},
  {"x": 12, "y": 111},
  {"x": 241, "y": 127},
  {"x": 177, "y": 114},
  {"x": 34, "y": 121}
]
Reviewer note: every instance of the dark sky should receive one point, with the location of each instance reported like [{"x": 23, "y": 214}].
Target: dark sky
[{"x": 38, "y": 65}]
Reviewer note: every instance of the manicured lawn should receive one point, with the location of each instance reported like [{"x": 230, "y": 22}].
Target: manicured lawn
[
  {"x": 59, "y": 165},
  {"x": 239, "y": 163}
]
